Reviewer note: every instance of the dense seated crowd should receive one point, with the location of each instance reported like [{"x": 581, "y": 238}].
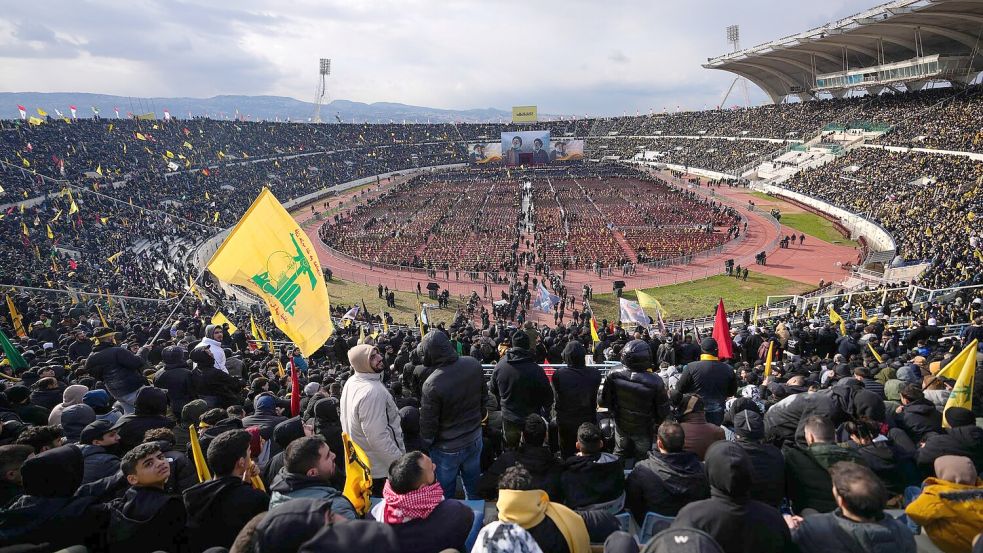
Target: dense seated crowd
[
  {"x": 716, "y": 154},
  {"x": 927, "y": 202},
  {"x": 101, "y": 420}
]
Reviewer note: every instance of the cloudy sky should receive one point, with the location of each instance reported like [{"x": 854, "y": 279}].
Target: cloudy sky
[{"x": 569, "y": 57}]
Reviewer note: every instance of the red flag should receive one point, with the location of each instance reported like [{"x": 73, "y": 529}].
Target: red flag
[
  {"x": 721, "y": 333},
  {"x": 294, "y": 391}
]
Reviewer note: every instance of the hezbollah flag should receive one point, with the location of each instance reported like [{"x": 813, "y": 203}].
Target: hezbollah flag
[
  {"x": 267, "y": 253},
  {"x": 963, "y": 369}
]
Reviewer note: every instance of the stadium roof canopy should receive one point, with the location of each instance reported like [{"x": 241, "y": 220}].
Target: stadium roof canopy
[{"x": 904, "y": 42}]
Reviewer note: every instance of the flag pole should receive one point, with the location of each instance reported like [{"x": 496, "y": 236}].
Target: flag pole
[{"x": 176, "y": 306}]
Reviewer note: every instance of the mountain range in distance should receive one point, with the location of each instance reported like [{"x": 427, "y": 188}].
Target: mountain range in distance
[{"x": 250, "y": 108}]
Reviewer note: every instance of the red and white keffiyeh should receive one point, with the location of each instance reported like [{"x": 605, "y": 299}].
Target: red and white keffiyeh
[{"x": 417, "y": 504}]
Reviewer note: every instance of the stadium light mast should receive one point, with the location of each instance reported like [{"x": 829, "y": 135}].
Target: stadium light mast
[
  {"x": 734, "y": 39},
  {"x": 324, "y": 70}
]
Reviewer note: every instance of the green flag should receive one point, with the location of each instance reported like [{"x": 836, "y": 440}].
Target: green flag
[{"x": 13, "y": 356}]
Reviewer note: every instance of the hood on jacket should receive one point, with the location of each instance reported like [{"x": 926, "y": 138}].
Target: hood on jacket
[
  {"x": 201, "y": 498},
  {"x": 435, "y": 350},
  {"x": 288, "y": 431},
  {"x": 409, "y": 420},
  {"x": 581, "y": 463},
  {"x": 680, "y": 472},
  {"x": 150, "y": 401},
  {"x": 574, "y": 355},
  {"x": 54, "y": 473},
  {"x": 359, "y": 357},
  {"x": 326, "y": 411},
  {"x": 892, "y": 389},
  {"x": 354, "y": 535},
  {"x": 141, "y": 506},
  {"x": 955, "y": 468},
  {"x": 74, "y": 419},
  {"x": 174, "y": 356},
  {"x": 729, "y": 470},
  {"x": 209, "y": 331},
  {"x": 287, "y": 482},
  {"x": 193, "y": 410},
  {"x": 870, "y": 405},
  {"x": 73, "y": 395},
  {"x": 286, "y": 528},
  {"x": 202, "y": 358}
]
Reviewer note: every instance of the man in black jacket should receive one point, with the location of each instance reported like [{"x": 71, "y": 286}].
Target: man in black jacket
[
  {"x": 767, "y": 462},
  {"x": 451, "y": 410},
  {"x": 636, "y": 396},
  {"x": 917, "y": 416},
  {"x": 669, "y": 479},
  {"x": 81, "y": 347},
  {"x": 120, "y": 370},
  {"x": 215, "y": 386},
  {"x": 592, "y": 479},
  {"x": 264, "y": 415},
  {"x": 574, "y": 396},
  {"x": 175, "y": 377},
  {"x": 521, "y": 387},
  {"x": 220, "y": 507},
  {"x": 962, "y": 438},
  {"x": 151, "y": 412},
  {"x": 709, "y": 378},
  {"x": 532, "y": 454},
  {"x": 730, "y": 516}
]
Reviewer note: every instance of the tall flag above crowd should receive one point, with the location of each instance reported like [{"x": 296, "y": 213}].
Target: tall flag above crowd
[{"x": 268, "y": 254}]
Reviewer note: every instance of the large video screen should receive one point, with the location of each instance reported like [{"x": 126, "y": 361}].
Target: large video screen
[
  {"x": 526, "y": 148},
  {"x": 567, "y": 150},
  {"x": 483, "y": 153}
]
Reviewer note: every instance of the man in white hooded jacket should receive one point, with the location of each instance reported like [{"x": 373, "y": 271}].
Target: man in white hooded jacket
[
  {"x": 369, "y": 415},
  {"x": 213, "y": 339}
]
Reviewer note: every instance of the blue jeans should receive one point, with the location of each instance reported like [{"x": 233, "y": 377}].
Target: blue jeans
[
  {"x": 465, "y": 461},
  {"x": 911, "y": 493}
]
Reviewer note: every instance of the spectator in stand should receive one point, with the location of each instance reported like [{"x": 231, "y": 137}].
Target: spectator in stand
[
  {"x": 176, "y": 378},
  {"x": 858, "y": 522},
  {"x": 575, "y": 389},
  {"x": 12, "y": 458},
  {"x": 700, "y": 434},
  {"x": 807, "y": 470},
  {"x": 592, "y": 480},
  {"x": 767, "y": 462},
  {"x": 637, "y": 398},
  {"x": 309, "y": 465},
  {"x": 415, "y": 506},
  {"x": 117, "y": 367},
  {"x": 555, "y": 527},
  {"x": 669, "y": 479},
  {"x": 96, "y": 441},
  {"x": 521, "y": 387},
  {"x": 963, "y": 438},
  {"x": 947, "y": 506},
  {"x": 151, "y": 412},
  {"x": 534, "y": 456},
  {"x": 709, "y": 378}
]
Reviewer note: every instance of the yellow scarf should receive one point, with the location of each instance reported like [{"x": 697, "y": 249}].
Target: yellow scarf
[
  {"x": 529, "y": 508},
  {"x": 708, "y": 357}
]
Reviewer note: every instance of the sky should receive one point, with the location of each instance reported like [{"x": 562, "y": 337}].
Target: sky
[{"x": 583, "y": 57}]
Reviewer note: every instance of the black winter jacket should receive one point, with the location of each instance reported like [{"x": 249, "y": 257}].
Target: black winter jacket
[
  {"x": 178, "y": 382},
  {"x": 768, "y": 477},
  {"x": 637, "y": 398},
  {"x": 218, "y": 509},
  {"x": 713, "y": 380},
  {"x": 591, "y": 479},
  {"x": 919, "y": 418},
  {"x": 575, "y": 388},
  {"x": 119, "y": 369},
  {"x": 664, "y": 483},
  {"x": 965, "y": 441},
  {"x": 521, "y": 386},
  {"x": 453, "y": 396}
]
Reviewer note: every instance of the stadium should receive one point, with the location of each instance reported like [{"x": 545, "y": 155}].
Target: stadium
[{"x": 754, "y": 327}]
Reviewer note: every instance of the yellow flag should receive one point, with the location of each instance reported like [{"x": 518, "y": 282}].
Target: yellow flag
[
  {"x": 194, "y": 289},
  {"x": 141, "y": 137},
  {"x": 169, "y": 154},
  {"x": 650, "y": 304},
  {"x": 101, "y": 316},
  {"x": 57, "y": 216},
  {"x": 835, "y": 317},
  {"x": 188, "y": 145},
  {"x": 267, "y": 253},
  {"x": 221, "y": 154},
  {"x": 385, "y": 323},
  {"x": 114, "y": 257},
  {"x": 874, "y": 351},
  {"x": 24, "y": 230},
  {"x": 963, "y": 369},
  {"x": 768, "y": 358},
  {"x": 34, "y": 121},
  {"x": 110, "y": 129},
  {"x": 99, "y": 170},
  {"x": 42, "y": 113},
  {"x": 863, "y": 313},
  {"x": 754, "y": 321},
  {"x": 257, "y": 331},
  {"x": 51, "y": 235},
  {"x": 104, "y": 220},
  {"x": 215, "y": 218},
  {"x": 72, "y": 208},
  {"x": 361, "y": 334},
  {"x": 219, "y": 319},
  {"x": 16, "y": 318},
  {"x": 279, "y": 367},
  {"x": 206, "y": 195},
  {"x": 358, "y": 476},
  {"x": 593, "y": 330},
  {"x": 196, "y": 455}
]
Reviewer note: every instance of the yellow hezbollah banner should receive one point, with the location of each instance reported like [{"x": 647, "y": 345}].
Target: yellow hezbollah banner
[
  {"x": 267, "y": 253},
  {"x": 525, "y": 114}
]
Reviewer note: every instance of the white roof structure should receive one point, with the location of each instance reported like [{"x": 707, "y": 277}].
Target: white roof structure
[{"x": 909, "y": 42}]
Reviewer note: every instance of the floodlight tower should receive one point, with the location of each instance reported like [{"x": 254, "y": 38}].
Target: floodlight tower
[
  {"x": 324, "y": 69},
  {"x": 734, "y": 39}
]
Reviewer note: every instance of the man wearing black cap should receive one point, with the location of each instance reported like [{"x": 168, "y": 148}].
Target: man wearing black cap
[
  {"x": 119, "y": 369},
  {"x": 521, "y": 387},
  {"x": 709, "y": 378},
  {"x": 95, "y": 442}
]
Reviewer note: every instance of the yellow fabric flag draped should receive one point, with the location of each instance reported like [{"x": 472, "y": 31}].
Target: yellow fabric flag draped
[
  {"x": 219, "y": 319},
  {"x": 835, "y": 317},
  {"x": 51, "y": 235},
  {"x": 268, "y": 254},
  {"x": 102, "y": 317},
  {"x": 963, "y": 369},
  {"x": 258, "y": 332},
  {"x": 196, "y": 455},
  {"x": 358, "y": 476},
  {"x": 874, "y": 351},
  {"x": 769, "y": 358},
  {"x": 114, "y": 257},
  {"x": 16, "y": 318}
]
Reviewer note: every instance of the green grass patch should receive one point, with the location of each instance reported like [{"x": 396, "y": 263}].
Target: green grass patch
[
  {"x": 763, "y": 196},
  {"x": 814, "y": 225},
  {"x": 695, "y": 299},
  {"x": 347, "y": 293}
]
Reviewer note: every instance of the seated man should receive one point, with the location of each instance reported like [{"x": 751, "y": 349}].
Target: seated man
[
  {"x": 699, "y": 433},
  {"x": 556, "y": 528},
  {"x": 96, "y": 438},
  {"x": 308, "y": 466},
  {"x": 858, "y": 523},
  {"x": 669, "y": 479},
  {"x": 806, "y": 470},
  {"x": 413, "y": 504},
  {"x": 949, "y": 504},
  {"x": 220, "y": 507},
  {"x": 146, "y": 518},
  {"x": 532, "y": 454},
  {"x": 592, "y": 479},
  {"x": 963, "y": 438}
]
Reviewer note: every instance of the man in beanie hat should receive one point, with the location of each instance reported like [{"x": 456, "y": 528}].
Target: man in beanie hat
[
  {"x": 521, "y": 387},
  {"x": 119, "y": 369},
  {"x": 709, "y": 378},
  {"x": 962, "y": 438},
  {"x": 369, "y": 414}
]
